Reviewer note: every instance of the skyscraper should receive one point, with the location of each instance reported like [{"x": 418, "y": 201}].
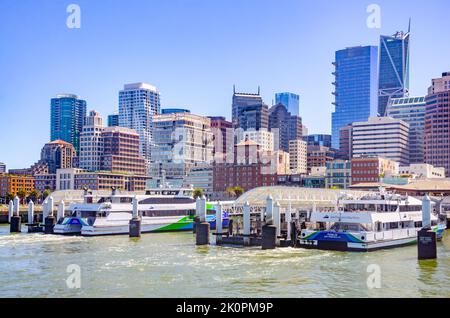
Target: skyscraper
[
  {"x": 138, "y": 103},
  {"x": 318, "y": 140},
  {"x": 356, "y": 87},
  {"x": 91, "y": 142},
  {"x": 67, "y": 112},
  {"x": 284, "y": 126},
  {"x": 394, "y": 69},
  {"x": 113, "y": 120},
  {"x": 412, "y": 111},
  {"x": 437, "y": 119},
  {"x": 290, "y": 100},
  {"x": 249, "y": 111}
]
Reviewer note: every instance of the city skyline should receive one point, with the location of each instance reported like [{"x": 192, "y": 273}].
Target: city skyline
[{"x": 31, "y": 78}]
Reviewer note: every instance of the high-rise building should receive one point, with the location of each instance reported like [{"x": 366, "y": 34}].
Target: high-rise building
[
  {"x": 138, "y": 103},
  {"x": 113, "y": 120},
  {"x": 318, "y": 156},
  {"x": 437, "y": 119},
  {"x": 284, "y": 126},
  {"x": 290, "y": 100},
  {"x": 356, "y": 87},
  {"x": 345, "y": 143},
  {"x": 57, "y": 154},
  {"x": 382, "y": 136},
  {"x": 181, "y": 140},
  {"x": 2, "y": 167},
  {"x": 412, "y": 111},
  {"x": 298, "y": 156},
  {"x": 249, "y": 111},
  {"x": 91, "y": 143},
  {"x": 318, "y": 140},
  {"x": 262, "y": 137},
  {"x": 120, "y": 151},
  {"x": 67, "y": 112},
  {"x": 394, "y": 69},
  {"x": 223, "y": 134}
]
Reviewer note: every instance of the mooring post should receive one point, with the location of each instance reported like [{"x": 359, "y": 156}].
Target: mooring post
[
  {"x": 135, "y": 222},
  {"x": 269, "y": 230},
  {"x": 269, "y": 209},
  {"x": 30, "y": 212},
  {"x": 426, "y": 238},
  {"x": 10, "y": 210},
  {"x": 247, "y": 224},
  {"x": 60, "y": 211},
  {"x": 16, "y": 221},
  {"x": 277, "y": 218},
  {"x": 202, "y": 228},
  {"x": 219, "y": 223},
  {"x": 198, "y": 203},
  {"x": 288, "y": 220},
  {"x": 49, "y": 221}
]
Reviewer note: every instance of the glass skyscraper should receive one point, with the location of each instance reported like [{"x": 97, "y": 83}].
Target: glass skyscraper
[
  {"x": 394, "y": 69},
  {"x": 356, "y": 85},
  {"x": 66, "y": 118},
  {"x": 138, "y": 103},
  {"x": 412, "y": 111},
  {"x": 290, "y": 100}
]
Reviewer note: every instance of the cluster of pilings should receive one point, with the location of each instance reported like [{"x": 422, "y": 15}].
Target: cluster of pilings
[
  {"x": 33, "y": 224},
  {"x": 263, "y": 228}
]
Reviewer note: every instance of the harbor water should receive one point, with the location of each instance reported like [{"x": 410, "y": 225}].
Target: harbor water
[{"x": 170, "y": 265}]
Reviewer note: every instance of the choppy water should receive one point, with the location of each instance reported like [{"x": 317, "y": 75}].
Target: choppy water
[{"x": 170, "y": 265}]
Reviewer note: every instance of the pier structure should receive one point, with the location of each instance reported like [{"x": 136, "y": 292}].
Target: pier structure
[
  {"x": 202, "y": 231},
  {"x": 426, "y": 238},
  {"x": 10, "y": 210},
  {"x": 270, "y": 217},
  {"x": 49, "y": 218},
  {"x": 33, "y": 226},
  {"x": 136, "y": 221},
  {"x": 16, "y": 220}
]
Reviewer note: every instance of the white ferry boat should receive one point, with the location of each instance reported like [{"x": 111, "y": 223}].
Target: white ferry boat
[
  {"x": 377, "y": 221},
  {"x": 161, "y": 210}
]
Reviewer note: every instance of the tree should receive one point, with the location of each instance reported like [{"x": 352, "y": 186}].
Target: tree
[
  {"x": 198, "y": 193},
  {"x": 22, "y": 194},
  {"x": 34, "y": 195},
  {"x": 9, "y": 197},
  {"x": 46, "y": 193},
  {"x": 238, "y": 191},
  {"x": 230, "y": 191}
]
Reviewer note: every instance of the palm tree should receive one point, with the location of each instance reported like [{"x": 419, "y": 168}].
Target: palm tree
[
  {"x": 46, "y": 193},
  {"x": 198, "y": 193},
  {"x": 238, "y": 190},
  {"x": 34, "y": 195}
]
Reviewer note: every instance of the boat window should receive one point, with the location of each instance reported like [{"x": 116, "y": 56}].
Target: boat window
[
  {"x": 126, "y": 200},
  {"x": 168, "y": 213},
  {"x": 167, "y": 201},
  {"x": 105, "y": 199}
]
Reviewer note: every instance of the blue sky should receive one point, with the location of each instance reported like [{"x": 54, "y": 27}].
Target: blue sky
[{"x": 193, "y": 51}]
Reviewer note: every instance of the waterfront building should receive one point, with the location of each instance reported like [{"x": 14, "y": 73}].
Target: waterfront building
[
  {"x": 284, "y": 126},
  {"x": 423, "y": 171},
  {"x": 11, "y": 184},
  {"x": 369, "y": 169},
  {"x": 345, "y": 151},
  {"x": 249, "y": 111},
  {"x": 412, "y": 111},
  {"x": 200, "y": 177},
  {"x": 91, "y": 143},
  {"x": 180, "y": 140},
  {"x": 113, "y": 120},
  {"x": 318, "y": 156},
  {"x": 78, "y": 179},
  {"x": 252, "y": 167},
  {"x": 120, "y": 151},
  {"x": 338, "y": 174},
  {"x": 290, "y": 100},
  {"x": 298, "y": 156},
  {"x": 138, "y": 104},
  {"x": 174, "y": 111},
  {"x": 382, "y": 136},
  {"x": 44, "y": 182},
  {"x": 356, "y": 87},
  {"x": 223, "y": 135},
  {"x": 394, "y": 69},
  {"x": 67, "y": 112},
  {"x": 437, "y": 119},
  {"x": 262, "y": 137},
  {"x": 2, "y": 167},
  {"x": 323, "y": 140}
]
